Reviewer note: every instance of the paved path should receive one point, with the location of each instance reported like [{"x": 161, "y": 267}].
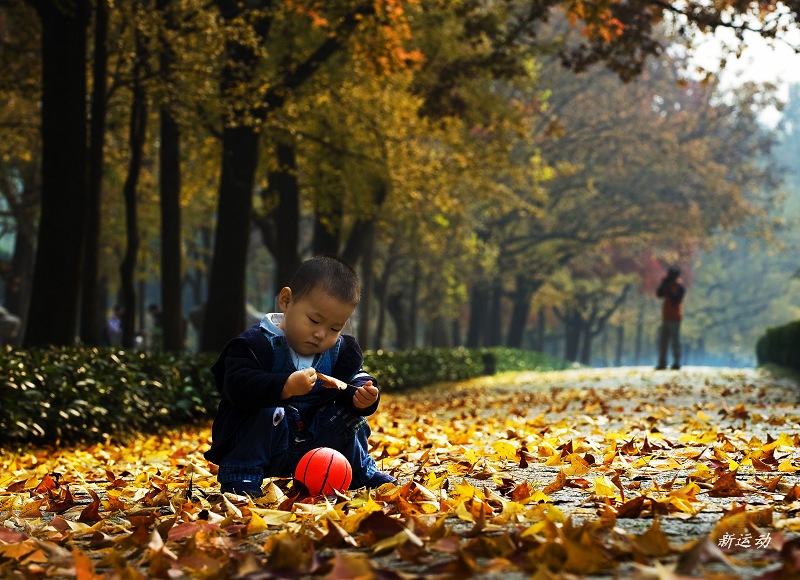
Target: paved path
[{"x": 679, "y": 427}]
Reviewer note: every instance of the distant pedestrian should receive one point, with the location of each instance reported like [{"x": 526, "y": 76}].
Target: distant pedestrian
[
  {"x": 671, "y": 291},
  {"x": 114, "y": 326},
  {"x": 156, "y": 328},
  {"x": 9, "y": 326}
]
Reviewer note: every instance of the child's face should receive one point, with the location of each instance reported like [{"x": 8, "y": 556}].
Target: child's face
[{"x": 313, "y": 323}]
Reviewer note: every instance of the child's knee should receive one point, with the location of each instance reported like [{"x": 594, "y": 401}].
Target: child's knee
[{"x": 339, "y": 419}]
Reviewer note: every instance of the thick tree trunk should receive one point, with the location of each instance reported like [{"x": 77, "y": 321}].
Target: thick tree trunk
[
  {"x": 573, "y": 329},
  {"x": 520, "y": 312},
  {"x": 137, "y": 132},
  {"x": 57, "y": 275},
  {"x": 327, "y": 228},
  {"x": 476, "y": 331},
  {"x": 494, "y": 326},
  {"x": 170, "y": 194},
  {"x": 224, "y": 312},
  {"x": 367, "y": 290},
  {"x": 170, "y": 190},
  {"x": 620, "y": 347},
  {"x": 92, "y": 301},
  {"x": 285, "y": 219},
  {"x": 541, "y": 329},
  {"x": 413, "y": 309},
  {"x": 399, "y": 312}
]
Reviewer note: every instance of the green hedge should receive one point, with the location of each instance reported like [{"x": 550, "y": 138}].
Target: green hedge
[
  {"x": 80, "y": 394},
  {"x": 67, "y": 395},
  {"x": 780, "y": 346}
]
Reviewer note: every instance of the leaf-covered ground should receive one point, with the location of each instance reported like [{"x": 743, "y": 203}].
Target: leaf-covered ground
[{"x": 625, "y": 473}]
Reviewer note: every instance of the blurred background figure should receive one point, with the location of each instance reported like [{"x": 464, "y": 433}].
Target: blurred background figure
[
  {"x": 156, "y": 331},
  {"x": 671, "y": 291},
  {"x": 114, "y": 326},
  {"x": 9, "y": 326}
]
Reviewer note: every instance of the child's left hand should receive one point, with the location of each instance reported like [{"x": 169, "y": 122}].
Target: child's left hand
[{"x": 365, "y": 395}]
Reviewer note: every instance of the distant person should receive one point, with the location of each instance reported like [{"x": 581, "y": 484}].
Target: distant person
[
  {"x": 671, "y": 291},
  {"x": 275, "y": 405},
  {"x": 9, "y": 326},
  {"x": 114, "y": 326},
  {"x": 156, "y": 327}
]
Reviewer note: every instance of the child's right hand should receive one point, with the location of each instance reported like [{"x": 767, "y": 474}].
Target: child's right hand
[{"x": 299, "y": 383}]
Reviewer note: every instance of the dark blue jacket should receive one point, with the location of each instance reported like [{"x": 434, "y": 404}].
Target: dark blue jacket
[{"x": 247, "y": 379}]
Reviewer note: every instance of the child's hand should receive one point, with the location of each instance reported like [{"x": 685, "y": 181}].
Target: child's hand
[
  {"x": 299, "y": 383},
  {"x": 365, "y": 395}
]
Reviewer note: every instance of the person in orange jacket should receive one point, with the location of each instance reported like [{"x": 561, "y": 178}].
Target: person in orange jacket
[{"x": 671, "y": 291}]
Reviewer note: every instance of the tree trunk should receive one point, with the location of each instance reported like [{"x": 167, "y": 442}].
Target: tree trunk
[
  {"x": 399, "y": 313},
  {"x": 280, "y": 229},
  {"x": 478, "y": 298},
  {"x": 620, "y": 349},
  {"x": 520, "y": 312},
  {"x": 170, "y": 193},
  {"x": 541, "y": 328},
  {"x": 327, "y": 228},
  {"x": 573, "y": 328},
  {"x": 170, "y": 190},
  {"x": 137, "y": 132},
  {"x": 381, "y": 291},
  {"x": 365, "y": 309},
  {"x": 637, "y": 352},
  {"x": 413, "y": 310},
  {"x": 92, "y": 302},
  {"x": 57, "y": 274},
  {"x": 224, "y": 312},
  {"x": 364, "y": 229},
  {"x": 494, "y": 326}
]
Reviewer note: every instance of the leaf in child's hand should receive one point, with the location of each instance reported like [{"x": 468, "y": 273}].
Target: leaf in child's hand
[{"x": 331, "y": 383}]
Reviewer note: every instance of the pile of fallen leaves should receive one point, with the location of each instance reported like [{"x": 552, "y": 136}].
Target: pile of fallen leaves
[{"x": 585, "y": 473}]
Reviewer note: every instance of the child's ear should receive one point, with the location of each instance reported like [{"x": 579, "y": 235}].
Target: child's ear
[{"x": 284, "y": 298}]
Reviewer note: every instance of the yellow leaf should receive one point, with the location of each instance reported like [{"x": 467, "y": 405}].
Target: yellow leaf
[
  {"x": 505, "y": 450},
  {"x": 272, "y": 517},
  {"x": 604, "y": 487},
  {"x": 577, "y": 466},
  {"x": 786, "y": 465}
]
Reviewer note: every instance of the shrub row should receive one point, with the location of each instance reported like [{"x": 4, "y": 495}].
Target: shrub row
[
  {"x": 780, "y": 346},
  {"x": 69, "y": 395}
]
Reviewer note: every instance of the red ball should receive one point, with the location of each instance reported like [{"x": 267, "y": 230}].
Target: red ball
[{"x": 324, "y": 471}]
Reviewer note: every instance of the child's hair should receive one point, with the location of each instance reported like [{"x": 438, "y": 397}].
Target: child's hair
[{"x": 331, "y": 275}]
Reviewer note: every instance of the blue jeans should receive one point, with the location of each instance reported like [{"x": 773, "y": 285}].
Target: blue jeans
[{"x": 270, "y": 442}]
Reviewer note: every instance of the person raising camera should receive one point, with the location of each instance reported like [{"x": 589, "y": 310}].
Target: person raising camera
[{"x": 671, "y": 291}]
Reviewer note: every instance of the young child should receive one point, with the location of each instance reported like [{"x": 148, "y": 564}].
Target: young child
[{"x": 274, "y": 407}]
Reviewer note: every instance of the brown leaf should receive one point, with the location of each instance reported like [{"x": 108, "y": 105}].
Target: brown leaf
[
  {"x": 701, "y": 552},
  {"x": 558, "y": 484},
  {"x": 726, "y": 486},
  {"x": 47, "y": 484},
  {"x": 792, "y": 495},
  {"x": 632, "y": 508},
  {"x": 91, "y": 513},
  {"x": 653, "y": 542},
  {"x": 62, "y": 502}
]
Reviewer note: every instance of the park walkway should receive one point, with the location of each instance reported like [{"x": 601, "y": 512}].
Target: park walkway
[{"x": 592, "y": 473}]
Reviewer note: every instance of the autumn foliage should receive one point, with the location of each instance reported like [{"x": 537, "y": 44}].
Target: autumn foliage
[{"x": 576, "y": 472}]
